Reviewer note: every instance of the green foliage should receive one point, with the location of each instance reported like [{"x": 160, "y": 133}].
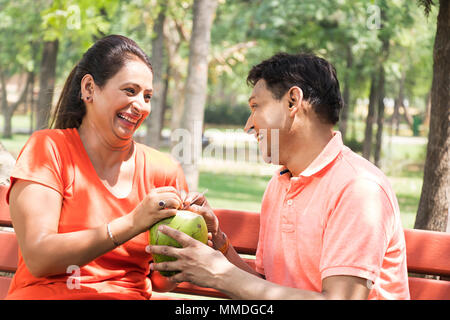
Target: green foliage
[
  {"x": 331, "y": 28},
  {"x": 226, "y": 114}
]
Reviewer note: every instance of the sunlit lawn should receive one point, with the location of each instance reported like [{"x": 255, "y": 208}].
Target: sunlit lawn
[
  {"x": 245, "y": 192},
  {"x": 242, "y": 189}
]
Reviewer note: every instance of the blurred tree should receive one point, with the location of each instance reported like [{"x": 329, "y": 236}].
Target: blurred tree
[
  {"x": 433, "y": 211},
  {"x": 47, "y": 80},
  {"x": 66, "y": 21},
  {"x": 177, "y": 35},
  {"x": 17, "y": 57},
  {"x": 196, "y": 86},
  {"x": 154, "y": 123}
]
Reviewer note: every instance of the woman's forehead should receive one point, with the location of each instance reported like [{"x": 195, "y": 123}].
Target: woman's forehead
[{"x": 136, "y": 71}]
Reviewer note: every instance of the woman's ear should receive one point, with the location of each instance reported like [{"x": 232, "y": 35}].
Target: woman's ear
[{"x": 87, "y": 88}]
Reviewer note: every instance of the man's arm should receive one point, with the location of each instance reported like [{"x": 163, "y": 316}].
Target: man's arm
[
  {"x": 240, "y": 285},
  {"x": 207, "y": 267}
]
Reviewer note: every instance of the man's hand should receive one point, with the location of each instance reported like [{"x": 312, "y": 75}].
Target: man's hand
[{"x": 197, "y": 262}]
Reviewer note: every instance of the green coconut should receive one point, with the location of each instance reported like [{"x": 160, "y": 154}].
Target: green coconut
[{"x": 185, "y": 221}]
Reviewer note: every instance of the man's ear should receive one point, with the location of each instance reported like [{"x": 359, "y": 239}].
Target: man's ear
[
  {"x": 87, "y": 88},
  {"x": 295, "y": 98}
]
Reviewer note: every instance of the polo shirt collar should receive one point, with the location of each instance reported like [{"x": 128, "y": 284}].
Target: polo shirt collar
[{"x": 328, "y": 154}]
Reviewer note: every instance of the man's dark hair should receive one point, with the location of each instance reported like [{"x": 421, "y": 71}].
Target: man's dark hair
[{"x": 314, "y": 75}]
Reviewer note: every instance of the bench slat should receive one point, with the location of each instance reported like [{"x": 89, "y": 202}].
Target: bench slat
[
  {"x": 5, "y": 219},
  {"x": 428, "y": 289},
  {"x": 241, "y": 227},
  {"x": 188, "y": 288},
  {"x": 428, "y": 252},
  {"x": 8, "y": 252},
  {"x": 4, "y": 286}
]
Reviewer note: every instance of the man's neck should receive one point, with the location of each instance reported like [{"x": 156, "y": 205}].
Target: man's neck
[{"x": 305, "y": 148}]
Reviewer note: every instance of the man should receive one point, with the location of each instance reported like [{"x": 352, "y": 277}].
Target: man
[{"x": 330, "y": 222}]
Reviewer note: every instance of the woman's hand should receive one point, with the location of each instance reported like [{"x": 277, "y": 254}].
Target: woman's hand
[
  {"x": 196, "y": 262},
  {"x": 201, "y": 206},
  {"x": 160, "y": 203}
]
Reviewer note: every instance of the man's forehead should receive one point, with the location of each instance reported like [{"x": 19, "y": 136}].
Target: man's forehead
[{"x": 259, "y": 89}]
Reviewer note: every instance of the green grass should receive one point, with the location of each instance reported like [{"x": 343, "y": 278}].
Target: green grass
[
  {"x": 407, "y": 190},
  {"x": 15, "y": 144},
  {"x": 241, "y": 192}
]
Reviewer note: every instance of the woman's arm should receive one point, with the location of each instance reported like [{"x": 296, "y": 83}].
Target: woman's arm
[{"x": 35, "y": 212}]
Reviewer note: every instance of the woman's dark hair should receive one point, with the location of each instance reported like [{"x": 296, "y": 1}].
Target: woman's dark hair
[
  {"x": 314, "y": 75},
  {"x": 103, "y": 60}
]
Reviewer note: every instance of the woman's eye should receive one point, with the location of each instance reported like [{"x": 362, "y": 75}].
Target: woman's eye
[
  {"x": 130, "y": 90},
  {"x": 148, "y": 96}
]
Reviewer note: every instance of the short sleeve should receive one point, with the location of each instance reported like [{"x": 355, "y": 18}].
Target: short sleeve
[
  {"x": 40, "y": 161},
  {"x": 357, "y": 231},
  {"x": 266, "y": 208}
]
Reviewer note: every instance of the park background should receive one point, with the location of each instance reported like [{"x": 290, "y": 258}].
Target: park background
[{"x": 382, "y": 50}]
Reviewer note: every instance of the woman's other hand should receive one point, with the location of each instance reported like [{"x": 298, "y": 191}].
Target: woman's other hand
[{"x": 159, "y": 204}]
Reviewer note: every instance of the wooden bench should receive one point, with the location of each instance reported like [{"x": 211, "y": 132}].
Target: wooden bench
[{"x": 428, "y": 253}]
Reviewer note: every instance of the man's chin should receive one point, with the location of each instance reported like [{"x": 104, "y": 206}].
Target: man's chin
[{"x": 270, "y": 160}]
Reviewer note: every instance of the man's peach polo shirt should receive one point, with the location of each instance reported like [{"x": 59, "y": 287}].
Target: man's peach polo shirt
[{"x": 338, "y": 217}]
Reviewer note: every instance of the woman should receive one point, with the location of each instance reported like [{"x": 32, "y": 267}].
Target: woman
[{"x": 84, "y": 194}]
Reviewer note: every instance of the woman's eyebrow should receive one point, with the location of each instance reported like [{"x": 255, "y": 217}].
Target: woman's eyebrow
[{"x": 136, "y": 85}]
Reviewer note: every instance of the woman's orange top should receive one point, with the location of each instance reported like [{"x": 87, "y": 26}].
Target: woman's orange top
[{"x": 57, "y": 159}]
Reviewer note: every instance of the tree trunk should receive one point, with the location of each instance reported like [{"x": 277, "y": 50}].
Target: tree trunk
[
  {"x": 4, "y": 100},
  {"x": 380, "y": 117},
  {"x": 154, "y": 127},
  {"x": 395, "y": 120},
  {"x": 174, "y": 37},
  {"x": 426, "y": 121},
  {"x": 435, "y": 197},
  {"x": 381, "y": 94},
  {"x": 9, "y": 109},
  {"x": 345, "y": 110},
  {"x": 367, "y": 144},
  {"x": 31, "y": 101},
  {"x": 408, "y": 117},
  {"x": 164, "y": 96},
  {"x": 196, "y": 88},
  {"x": 46, "y": 83}
]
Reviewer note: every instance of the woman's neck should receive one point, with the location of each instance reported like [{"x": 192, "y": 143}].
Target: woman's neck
[{"x": 103, "y": 152}]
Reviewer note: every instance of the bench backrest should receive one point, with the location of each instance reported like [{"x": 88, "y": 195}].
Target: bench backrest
[{"x": 428, "y": 253}]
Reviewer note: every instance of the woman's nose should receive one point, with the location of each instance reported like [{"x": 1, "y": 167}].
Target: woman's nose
[{"x": 140, "y": 106}]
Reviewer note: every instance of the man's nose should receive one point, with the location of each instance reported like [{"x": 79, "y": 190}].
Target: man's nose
[{"x": 249, "y": 127}]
